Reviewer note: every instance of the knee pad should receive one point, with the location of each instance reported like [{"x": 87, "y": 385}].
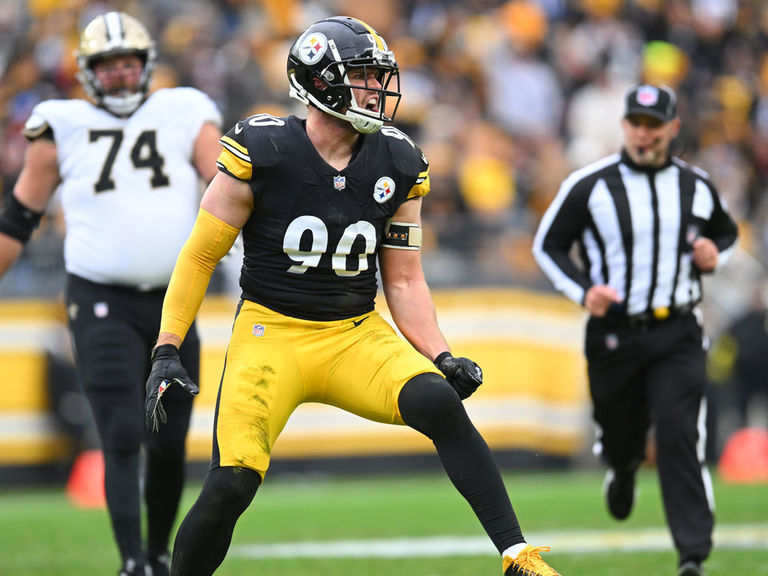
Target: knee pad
[
  {"x": 113, "y": 384},
  {"x": 428, "y": 403},
  {"x": 229, "y": 490}
]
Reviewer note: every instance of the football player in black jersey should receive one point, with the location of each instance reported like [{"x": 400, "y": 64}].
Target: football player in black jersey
[{"x": 322, "y": 203}]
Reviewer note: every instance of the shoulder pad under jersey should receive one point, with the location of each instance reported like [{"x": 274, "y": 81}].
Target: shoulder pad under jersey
[
  {"x": 56, "y": 116},
  {"x": 191, "y": 103},
  {"x": 406, "y": 155},
  {"x": 267, "y": 138},
  {"x": 48, "y": 113},
  {"x": 34, "y": 127},
  {"x": 257, "y": 141}
]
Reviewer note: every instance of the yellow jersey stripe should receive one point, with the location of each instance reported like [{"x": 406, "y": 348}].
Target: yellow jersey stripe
[
  {"x": 235, "y": 165},
  {"x": 379, "y": 42},
  {"x": 235, "y": 146},
  {"x": 419, "y": 189}
]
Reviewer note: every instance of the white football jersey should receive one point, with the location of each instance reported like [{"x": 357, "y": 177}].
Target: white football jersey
[{"x": 130, "y": 192}]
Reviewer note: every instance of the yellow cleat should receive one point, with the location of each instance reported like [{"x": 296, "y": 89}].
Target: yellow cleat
[{"x": 529, "y": 563}]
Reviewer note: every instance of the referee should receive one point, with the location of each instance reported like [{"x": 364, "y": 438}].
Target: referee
[{"x": 647, "y": 226}]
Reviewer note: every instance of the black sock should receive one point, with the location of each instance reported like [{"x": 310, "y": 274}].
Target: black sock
[
  {"x": 121, "y": 485},
  {"x": 162, "y": 492},
  {"x": 204, "y": 536},
  {"x": 429, "y": 405}
]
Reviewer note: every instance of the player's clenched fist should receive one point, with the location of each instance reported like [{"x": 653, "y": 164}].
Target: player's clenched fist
[{"x": 462, "y": 373}]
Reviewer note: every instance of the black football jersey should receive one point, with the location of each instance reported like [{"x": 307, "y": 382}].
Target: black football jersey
[{"x": 311, "y": 243}]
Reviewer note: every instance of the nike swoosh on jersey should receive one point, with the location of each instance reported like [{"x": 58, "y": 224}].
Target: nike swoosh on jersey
[
  {"x": 358, "y": 322},
  {"x": 238, "y": 128}
]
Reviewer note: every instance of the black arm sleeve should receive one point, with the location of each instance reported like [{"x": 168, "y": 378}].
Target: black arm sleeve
[{"x": 18, "y": 221}]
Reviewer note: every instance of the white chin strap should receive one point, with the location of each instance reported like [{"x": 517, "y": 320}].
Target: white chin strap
[
  {"x": 122, "y": 105},
  {"x": 361, "y": 123}
]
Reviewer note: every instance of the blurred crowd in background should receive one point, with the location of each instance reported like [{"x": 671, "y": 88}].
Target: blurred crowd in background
[{"x": 504, "y": 97}]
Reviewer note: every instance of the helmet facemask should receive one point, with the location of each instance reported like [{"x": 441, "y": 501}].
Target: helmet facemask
[
  {"x": 107, "y": 36},
  {"x": 334, "y": 93}
]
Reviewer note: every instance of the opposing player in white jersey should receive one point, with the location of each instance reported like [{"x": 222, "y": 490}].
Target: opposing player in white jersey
[{"x": 127, "y": 165}]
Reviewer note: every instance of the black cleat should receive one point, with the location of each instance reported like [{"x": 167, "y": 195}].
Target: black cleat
[
  {"x": 160, "y": 565},
  {"x": 133, "y": 568},
  {"x": 619, "y": 490},
  {"x": 690, "y": 569}
]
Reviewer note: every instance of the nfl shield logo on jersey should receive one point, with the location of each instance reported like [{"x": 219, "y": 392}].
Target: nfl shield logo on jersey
[
  {"x": 339, "y": 182},
  {"x": 258, "y": 330},
  {"x": 101, "y": 309}
]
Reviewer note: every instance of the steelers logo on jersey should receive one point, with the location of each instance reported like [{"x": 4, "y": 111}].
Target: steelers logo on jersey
[
  {"x": 313, "y": 47},
  {"x": 384, "y": 189}
]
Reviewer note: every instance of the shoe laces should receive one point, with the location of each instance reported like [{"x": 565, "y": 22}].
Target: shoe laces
[{"x": 529, "y": 562}]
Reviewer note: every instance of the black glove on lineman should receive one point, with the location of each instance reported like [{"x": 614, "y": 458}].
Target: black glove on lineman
[
  {"x": 463, "y": 374},
  {"x": 166, "y": 369}
]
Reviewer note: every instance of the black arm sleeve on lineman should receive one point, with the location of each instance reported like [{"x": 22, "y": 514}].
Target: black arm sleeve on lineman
[
  {"x": 16, "y": 220},
  {"x": 429, "y": 404}
]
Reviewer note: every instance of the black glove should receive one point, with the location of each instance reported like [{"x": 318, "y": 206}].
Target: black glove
[
  {"x": 166, "y": 369},
  {"x": 463, "y": 374}
]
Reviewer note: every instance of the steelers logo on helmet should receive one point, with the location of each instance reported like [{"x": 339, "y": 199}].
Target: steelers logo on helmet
[
  {"x": 312, "y": 47},
  {"x": 328, "y": 50},
  {"x": 384, "y": 189}
]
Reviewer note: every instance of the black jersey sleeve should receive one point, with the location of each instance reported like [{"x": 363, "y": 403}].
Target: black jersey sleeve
[
  {"x": 253, "y": 142},
  {"x": 409, "y": 160},
  {"x": 234, "y": 158}
]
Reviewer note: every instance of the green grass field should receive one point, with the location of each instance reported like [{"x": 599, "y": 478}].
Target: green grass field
[{"x": 42, "y": 534}]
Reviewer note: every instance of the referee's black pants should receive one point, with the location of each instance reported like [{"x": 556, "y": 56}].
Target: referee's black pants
[{"x": 655, "y": 373}]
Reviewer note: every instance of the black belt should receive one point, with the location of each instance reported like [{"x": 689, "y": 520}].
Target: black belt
[
  {"x": 648, "y": 318},
  {"x": 124, "y": 288}
]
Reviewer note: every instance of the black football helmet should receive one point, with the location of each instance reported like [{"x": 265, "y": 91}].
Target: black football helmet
[{"x": 328, "y": 50}]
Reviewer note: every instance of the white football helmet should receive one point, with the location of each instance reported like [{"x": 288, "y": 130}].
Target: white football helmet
[{"x": 114, "y": 34}]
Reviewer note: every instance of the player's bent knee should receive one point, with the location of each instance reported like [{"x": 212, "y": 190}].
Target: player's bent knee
[
  {"x": 229, "y": 490},
  {"x": 428, "y": 402}
]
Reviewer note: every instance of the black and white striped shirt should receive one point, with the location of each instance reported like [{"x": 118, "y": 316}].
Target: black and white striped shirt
[{"x": 634, "y": 227}]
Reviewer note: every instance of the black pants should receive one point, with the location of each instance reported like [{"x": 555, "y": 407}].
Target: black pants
[
  {"x": 114, "y": 329},
  {"x": 655, "y": 374}
]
